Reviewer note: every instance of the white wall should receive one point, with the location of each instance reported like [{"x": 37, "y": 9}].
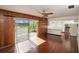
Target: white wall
[
  {"x": 78, "y": 31},
  {"x": 73, "y": 29},
  {"x": 63, "y": 20}
]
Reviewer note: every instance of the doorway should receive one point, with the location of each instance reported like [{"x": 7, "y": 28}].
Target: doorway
[
  {"x": 33, "y": 26},
  {"x": 26, "y": 35},
  {"x": 22, "y": 43}
]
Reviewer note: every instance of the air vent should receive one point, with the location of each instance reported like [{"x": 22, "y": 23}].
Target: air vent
[{"x": 71, "y": 6}]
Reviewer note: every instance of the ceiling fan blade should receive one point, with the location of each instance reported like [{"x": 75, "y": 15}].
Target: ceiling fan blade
[{"x": 49, "y": 13}]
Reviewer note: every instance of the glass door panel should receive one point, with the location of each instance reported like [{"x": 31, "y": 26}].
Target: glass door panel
[
  {"x": 33, "y": 27},
  {"x": 21, "y": 30},
  {"x": 22, "y": 36}
]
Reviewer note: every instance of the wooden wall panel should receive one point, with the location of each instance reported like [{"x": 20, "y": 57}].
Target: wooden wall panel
[
  {"x": 7, "y": 31},
  {"x": 1, "y": 31},
  {"x": 42, "y": 28},
  {"x": 11, "y": 30},
  {"x": 17, "y": 14}
]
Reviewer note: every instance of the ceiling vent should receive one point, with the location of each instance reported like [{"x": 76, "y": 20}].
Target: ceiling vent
[{"x": 71, "y": 6}]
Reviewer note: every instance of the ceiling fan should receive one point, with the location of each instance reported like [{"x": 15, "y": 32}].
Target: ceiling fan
[{"x": 45, "y": 14}]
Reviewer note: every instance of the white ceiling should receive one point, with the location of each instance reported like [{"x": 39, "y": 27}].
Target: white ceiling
[{"x": 58, "y": 10}]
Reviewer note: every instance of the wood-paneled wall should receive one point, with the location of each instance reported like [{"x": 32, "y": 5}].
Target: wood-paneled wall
[
  {"x": 20, "y": 15},
  {"x": 1, "y": 30},
  {"x": 7, "y": 31},
  {"x": 42, "y": 28}
]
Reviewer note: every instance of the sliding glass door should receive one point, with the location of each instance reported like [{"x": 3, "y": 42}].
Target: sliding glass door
[
  {"x": 33, "y": 26},
  {"x": 21, "y": 30},
  {"x": 25, "y": 34},
  {"x": 22, "y": 35}
]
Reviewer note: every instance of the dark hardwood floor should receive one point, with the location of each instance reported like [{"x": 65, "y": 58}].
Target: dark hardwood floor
[{"x": 53, "y": 44}]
